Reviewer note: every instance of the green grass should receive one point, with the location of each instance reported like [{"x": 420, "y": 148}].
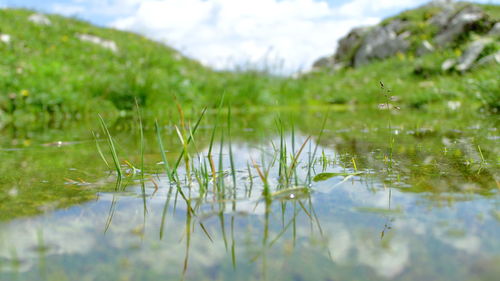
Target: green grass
[
  {"x": 112, "y": 149},
  {"x": 49, "y": 71}
]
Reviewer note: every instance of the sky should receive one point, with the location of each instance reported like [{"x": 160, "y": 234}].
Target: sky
[{"x": 284, "y": 35}]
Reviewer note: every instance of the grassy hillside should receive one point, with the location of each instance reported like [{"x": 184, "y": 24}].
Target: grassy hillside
[
  {"x": 477, "y": 89},
  {"x": 418, "y": 82},
  {"x": 47, "y": 72},
  {"x": 48, "y": 68}
]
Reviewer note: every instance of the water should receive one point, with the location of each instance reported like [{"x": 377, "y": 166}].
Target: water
[{"x": 415, "y": 197}]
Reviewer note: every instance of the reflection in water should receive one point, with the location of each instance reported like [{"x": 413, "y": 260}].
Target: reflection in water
[{"x": 291, "y": 208}]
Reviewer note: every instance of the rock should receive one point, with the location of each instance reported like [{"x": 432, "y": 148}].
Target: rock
[
  {"x": 348, "y": 44},
  {"x": 39, "y": 19},
  {"x": 108, "y": 44},
  {"x": 329, "y": 63},
  {"x": 5, "y": 38},
  {"x": 442, "y": 19},
  {"x": 495, "y": 30},
  {"x": 364, "y": 45},
  {"x": 493, "y": 58},
  {"x": 338, "y": 66},
  {"x": 323, "y": 62},
  {"x": 457, "y": 23},
  {"x": 448, "y": 64},
  {"x": 382, "y": 42},
  {"x": 471, "y": 54},
  {"x": 443, "y": 3},
  {"x": 425, "y": 48}
]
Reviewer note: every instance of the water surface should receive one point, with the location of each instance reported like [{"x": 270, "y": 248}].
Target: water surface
[{"x": 373, "y": 195}]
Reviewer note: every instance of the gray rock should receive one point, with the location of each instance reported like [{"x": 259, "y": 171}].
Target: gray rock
[
  {"x": 442, "y": 3},
  {"x": 382, "y": 42},
  {"x": 471, "y": 54},
  {"x": 39, "y": 19},
  {"x": 495, "y": 30},
  {"x": 448, "y": 64},
  {"x": 458, "y": 23},
  {"x": 338, "y": 66},
  {"x": 493, "y": 58},
  {"x": 349, "y": 43},
  {"x": 442, "y": 19},
  {"x": 328, "y": 63},
  {"x": 425, "y": 48},
  {"x": 107, "y": 44},
  {"x": 323, "y": 62}
]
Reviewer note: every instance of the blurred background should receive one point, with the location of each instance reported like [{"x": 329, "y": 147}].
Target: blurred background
[{"x": 226, "y": 34}]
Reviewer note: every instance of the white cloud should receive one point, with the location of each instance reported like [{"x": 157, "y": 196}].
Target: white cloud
[
  {"x": 229, "y": 33},
  {"x": 225, "y": 33},
  {"x": 68, "y": 10},
  {"x": 359, "y": 8}
]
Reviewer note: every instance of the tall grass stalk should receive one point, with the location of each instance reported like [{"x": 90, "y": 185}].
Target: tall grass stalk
[
  {"x": 313, "y": 156},
  {"x": 211, "y": 145},
  {"x": 111, "y": 147},
  {"x": 141, "y": 143},
  {"x": 295, "y": 160},
  {"x": 99, "y": 150},
  {"x": 220, "y": 180},
  {"x": 231, "y": 159},
  {"x": 166, "y": 166},
  {"x": 177, "y": 163}
]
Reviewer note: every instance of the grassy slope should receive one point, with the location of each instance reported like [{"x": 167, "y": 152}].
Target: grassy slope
[
  {"x": 429, "y": 87},
  {"x": 48, "y": 69}
]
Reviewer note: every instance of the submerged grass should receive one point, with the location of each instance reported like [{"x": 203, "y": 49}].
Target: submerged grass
[
  {"x": 284, "y": 173},
  {"x": 142, "y": 144},
  {"x": 166, "y": 166},
  {"x": 286, "y": 178}
]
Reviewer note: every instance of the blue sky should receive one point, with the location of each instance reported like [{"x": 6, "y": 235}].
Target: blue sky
[{"x": 288, "y": 34}]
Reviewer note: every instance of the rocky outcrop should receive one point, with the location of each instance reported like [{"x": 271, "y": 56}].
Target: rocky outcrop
[
  {"x": 472, "y": 54},
  {"x": 328, "y": 62},
  {"x": 363, "y": 45},
  {"x": 323, "y": 62},
  {"x": 471, "y": 57},
  {"x": 425, "y": 48},
  {"x": 348, "y": 44},
  {"x": 344, "y": 56},
  {"x": 495, "y": 30},
  {"x": 448, "y": 64},
  {"x": 382, "y": 42},
  {"x": 442, "y": 18},
  {"x": 493, "y": 58},
  {"x": 450, "y": 25}
]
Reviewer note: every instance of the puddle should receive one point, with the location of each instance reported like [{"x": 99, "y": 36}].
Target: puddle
[{"x": 340, "y": 206}]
